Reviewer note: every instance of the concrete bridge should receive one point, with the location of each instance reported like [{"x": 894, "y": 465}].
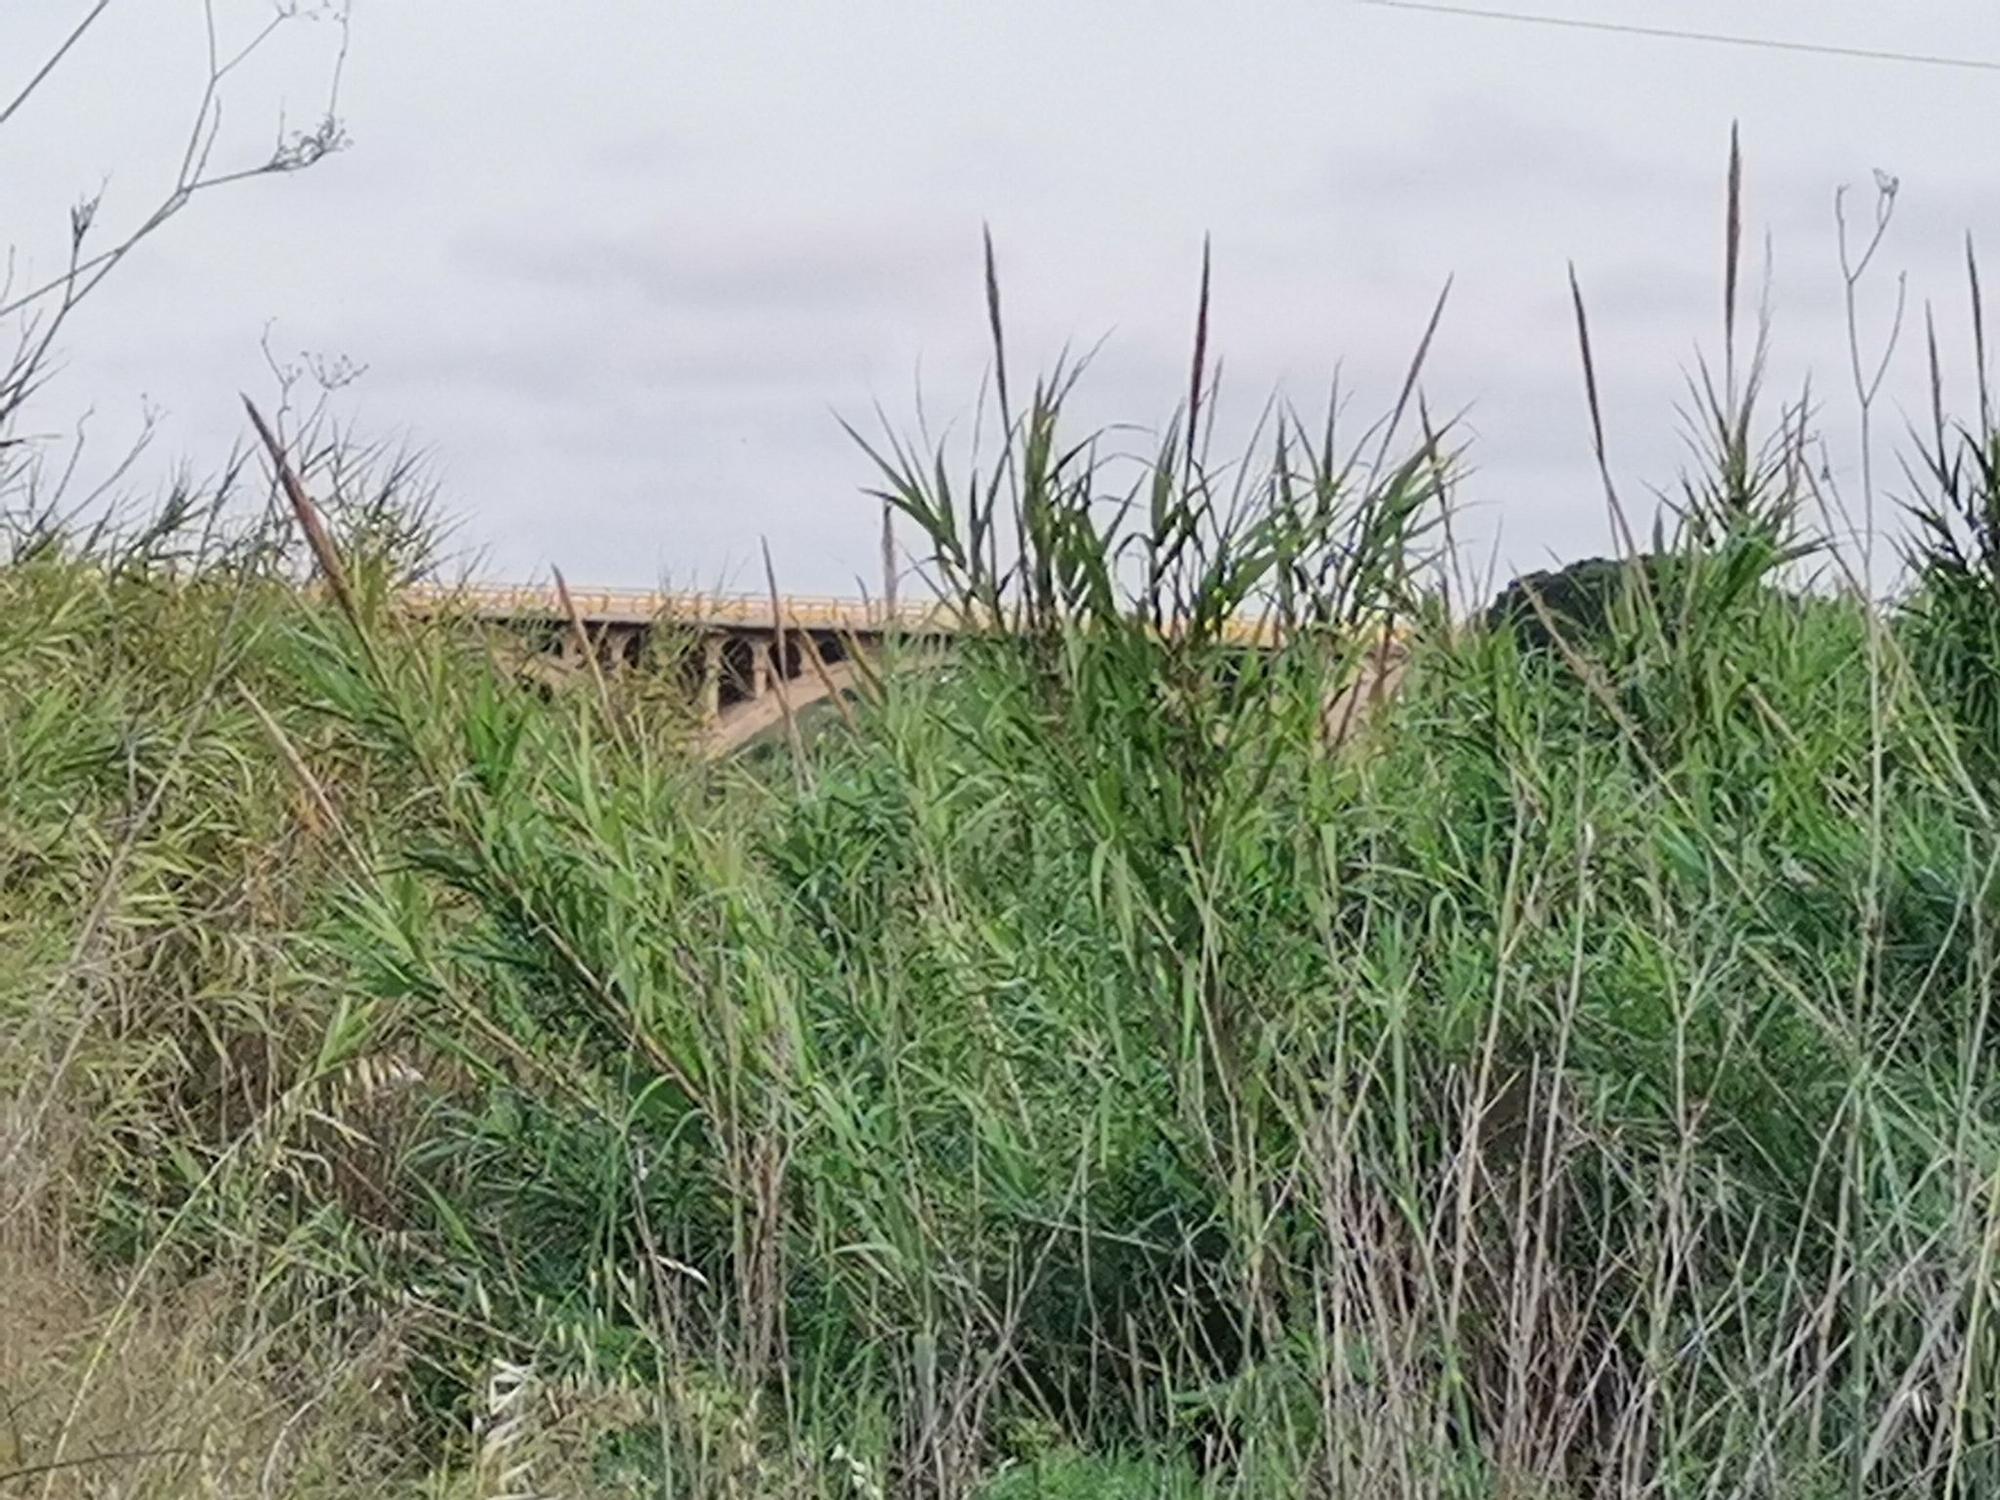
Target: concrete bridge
[{"x": 754, "y": 658}]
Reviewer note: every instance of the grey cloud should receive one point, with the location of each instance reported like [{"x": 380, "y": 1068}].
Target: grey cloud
[
  {"x": 638, "y": 152},
  {"x": 614, "y": 265},
  {"x": 715, "y": 361},
  {"x": 788, "y": 267},
  {"x": 1515, "y": 157}
]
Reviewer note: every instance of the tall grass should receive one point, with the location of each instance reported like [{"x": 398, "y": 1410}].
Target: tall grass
[{"x": 1078, "y": 1074}]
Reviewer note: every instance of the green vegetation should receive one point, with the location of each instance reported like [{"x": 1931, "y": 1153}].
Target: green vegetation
[
  {"x": 1078, "y": 1077},
  {"x": 1076, "y": 1080}
]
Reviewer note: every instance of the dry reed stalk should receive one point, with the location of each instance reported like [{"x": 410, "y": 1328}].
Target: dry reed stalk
[
  {"x": 309, "y": 519},
  {"x": 589, "y": 653},
  {"x": 778, "y": 666},
  {"x": 818, "y": 662}
]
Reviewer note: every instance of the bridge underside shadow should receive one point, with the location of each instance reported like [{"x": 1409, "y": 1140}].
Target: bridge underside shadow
[
  {"x": 747, "y": 664},
  {"x": 742, "y": 680}
]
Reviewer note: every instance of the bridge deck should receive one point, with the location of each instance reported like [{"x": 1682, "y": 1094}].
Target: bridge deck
[
  {"x": 761, "y": 661},
  {"x": 715, "y": 611},
  {"x": 596, "y": 606}
]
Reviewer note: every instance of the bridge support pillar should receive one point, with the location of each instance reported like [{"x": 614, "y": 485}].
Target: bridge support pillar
[
  {"x": 711, "y": 678},
  {"x": 760, "y": 670}
]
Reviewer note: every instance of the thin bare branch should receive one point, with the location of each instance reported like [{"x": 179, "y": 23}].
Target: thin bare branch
[{"x": 49, "y": 66}]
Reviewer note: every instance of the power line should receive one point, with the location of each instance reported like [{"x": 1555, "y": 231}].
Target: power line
[{"x": 1773, "y": 44}]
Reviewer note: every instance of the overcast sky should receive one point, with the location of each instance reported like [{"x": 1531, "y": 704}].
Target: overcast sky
[{"x": 616, "y": 266}]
